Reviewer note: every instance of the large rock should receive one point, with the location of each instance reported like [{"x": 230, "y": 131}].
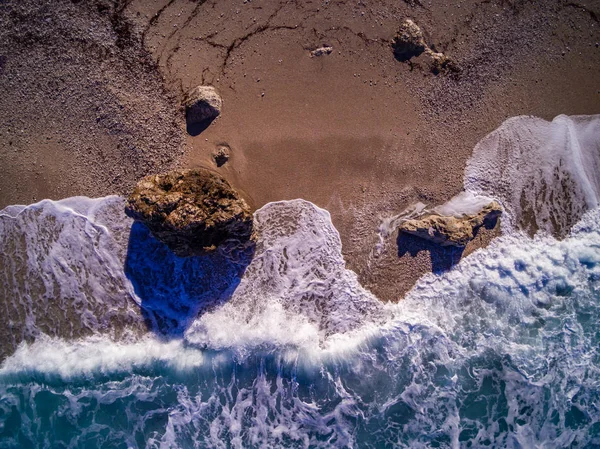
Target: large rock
[
  {"x": 450, "y": 230},
  {"x": 191, "y": 211},
  {"x": 202, "y": 104}
]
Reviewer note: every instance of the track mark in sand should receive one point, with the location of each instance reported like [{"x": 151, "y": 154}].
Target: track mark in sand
[
  {"x": 359, "y": 34},
  {"x": 260, "y": 29},
  {"x": 188, "y": 20},
  {"x": 240, "y": 40},
  {"x": 155, "y": 18},
  {"x": 228, "y": 49}
]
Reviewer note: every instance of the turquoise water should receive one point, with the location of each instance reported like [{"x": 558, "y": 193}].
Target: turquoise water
[{"x": 409, "y": 387}]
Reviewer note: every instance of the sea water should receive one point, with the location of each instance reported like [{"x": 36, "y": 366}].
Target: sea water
[{"x": 112, "y": 341}]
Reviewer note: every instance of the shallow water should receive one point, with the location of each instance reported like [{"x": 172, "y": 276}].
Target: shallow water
[{"x": 286, "y": 349}]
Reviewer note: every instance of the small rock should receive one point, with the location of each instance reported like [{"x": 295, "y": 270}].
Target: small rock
[
  {"x": 202, "y": 104},
  {"x": 409, "y": 41},
  {"x": 221, "y": 155},
  {"x": 441, "y": 63},
  {"x": 321, "y": 51},
  {"x": 192, "y": 211}
]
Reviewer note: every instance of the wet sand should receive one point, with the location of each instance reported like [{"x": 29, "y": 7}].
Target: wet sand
[{"x": 355, "y": 131}]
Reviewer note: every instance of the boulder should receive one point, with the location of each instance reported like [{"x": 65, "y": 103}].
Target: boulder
[
  {"x": 202, "y": 104},
  {"x": 450, "y": 230},
  {"x": 192, "y": 211}
]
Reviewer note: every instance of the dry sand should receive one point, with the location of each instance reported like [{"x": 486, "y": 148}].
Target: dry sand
[{"x": 90, "y": 90}]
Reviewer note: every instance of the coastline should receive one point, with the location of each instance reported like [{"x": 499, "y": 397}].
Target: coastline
[{"x": 343, "y": 311}]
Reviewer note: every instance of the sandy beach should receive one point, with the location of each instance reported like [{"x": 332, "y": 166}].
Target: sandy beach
[
  {"x": 91, "y": 92},
  {"x": 299, "y": 224}
]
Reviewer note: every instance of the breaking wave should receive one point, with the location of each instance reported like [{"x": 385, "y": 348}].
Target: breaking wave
[{"x": 546, "y": 174}]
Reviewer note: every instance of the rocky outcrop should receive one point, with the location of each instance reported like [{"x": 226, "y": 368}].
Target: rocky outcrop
[
  {"x": 202, "y": 104},
  {"x": 192, "y": 211},
  {"x": 450, "y": 230},
  {"x": 409, "y": 43}
]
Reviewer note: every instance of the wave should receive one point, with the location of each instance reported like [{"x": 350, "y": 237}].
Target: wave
[
  {"x": 501, "y": 352},
  {"x": 77, "y": 267},
  {"x": 545, "y": 174}
]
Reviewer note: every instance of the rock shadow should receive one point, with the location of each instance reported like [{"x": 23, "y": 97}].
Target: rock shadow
[
  {"x": 196, "y": 128},
  {"x": 443, "y": 258},
  {"x": 489, "y": 223},
  {"x": 405, "y": 54},
  {"x": 176, "y": 290}
]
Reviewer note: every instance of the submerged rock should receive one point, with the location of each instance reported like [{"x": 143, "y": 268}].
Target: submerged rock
[
  {"x": 202, "y": 104},
  {"x": 451, "y": 230},
  {"x": 191, "y": 211}
]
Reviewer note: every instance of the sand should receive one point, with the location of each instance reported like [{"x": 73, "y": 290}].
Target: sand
[{"x": 90, "y": 95}]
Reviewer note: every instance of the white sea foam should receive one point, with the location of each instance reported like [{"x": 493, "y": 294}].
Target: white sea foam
[
  {"x": 545, "y": 174},
  {"x": 503, "y": 349},
  {"x": 515, "y": 279},
  {"x": 465, "y": 203},
  {"x": 296, "y": 288},
  {"x": 75, "y": 261},
  {"x": 62, "y": 269},
  {"x": 98, "y": 355}
]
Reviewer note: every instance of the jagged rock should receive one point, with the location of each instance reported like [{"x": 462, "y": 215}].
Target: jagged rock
[
  {"x": 441, "y": 63},
  {"x": 191, "y": 211},
  {"x": 202, "y": 104},
  {"x": 409, "y": 41},
  {"x": 449, "y": 230},
  {"x": 321, "y": 51}
]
